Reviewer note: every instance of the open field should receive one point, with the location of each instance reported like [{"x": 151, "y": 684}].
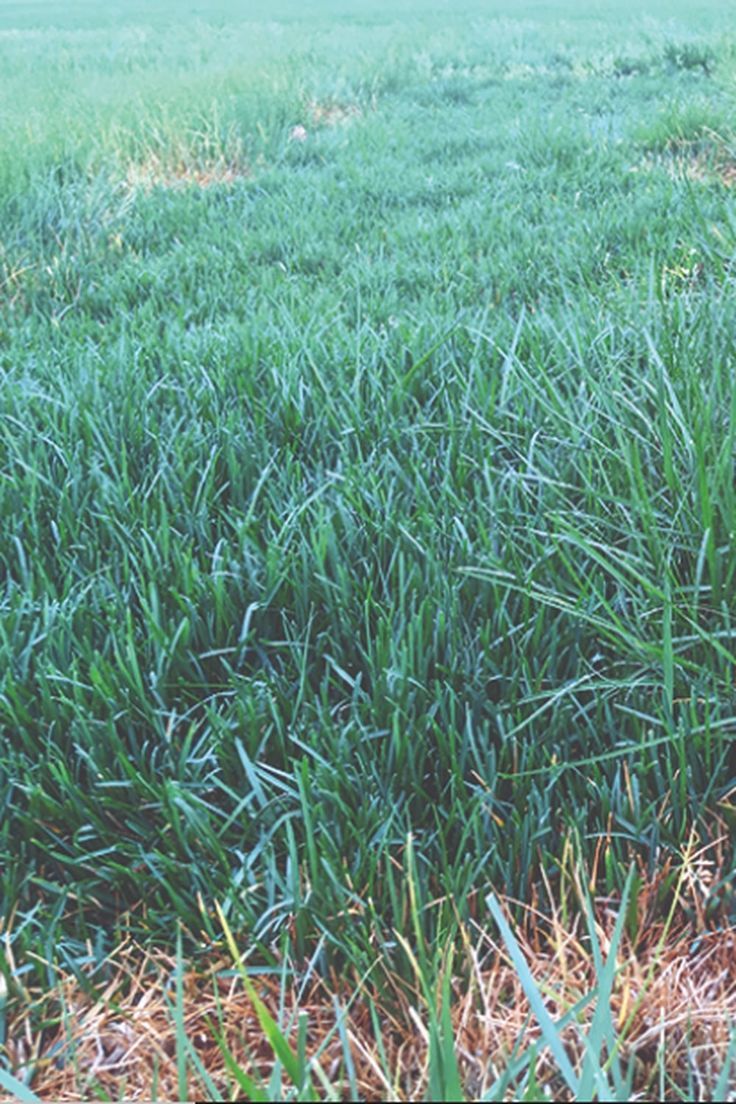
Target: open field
[{"x": 367, "y": 500}]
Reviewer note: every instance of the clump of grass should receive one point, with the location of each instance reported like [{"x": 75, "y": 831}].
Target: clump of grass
[{"x": 690, "y": 56}]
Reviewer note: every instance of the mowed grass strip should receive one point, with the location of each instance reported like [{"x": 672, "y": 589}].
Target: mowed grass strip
[{"x": 380, "y": 488}]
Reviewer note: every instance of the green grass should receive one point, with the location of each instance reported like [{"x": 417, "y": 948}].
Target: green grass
[{"x": 385, "y": 491}]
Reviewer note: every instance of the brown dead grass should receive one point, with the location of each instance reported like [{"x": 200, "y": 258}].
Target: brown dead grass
[
  {"x": 157, "y": 173},
  {"x": 674, "y": 1001},
  {"x": 711, "y": 164},
  {"x": 331, "y": 113},
  {"x": 704, "y": 168}
]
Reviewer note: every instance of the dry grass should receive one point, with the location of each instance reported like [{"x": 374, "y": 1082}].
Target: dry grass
[
  {"x": 710, "y": 161},
  {"x": 188, "y": 170},
  {"x": 674, "y": 1001},
  {"x": 331, "y": 113},
  {"x": 705, "y": 168},
  {"x": 154, "y": 172}
]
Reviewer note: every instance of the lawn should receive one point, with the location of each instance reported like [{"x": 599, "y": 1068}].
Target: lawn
[{"x": 367, "y": 515}]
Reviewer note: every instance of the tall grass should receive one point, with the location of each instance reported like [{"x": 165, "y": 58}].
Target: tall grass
[{"x": 381, "y": 489}]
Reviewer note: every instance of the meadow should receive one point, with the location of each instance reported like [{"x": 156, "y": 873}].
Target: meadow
[{"x": 367, "y": 514}]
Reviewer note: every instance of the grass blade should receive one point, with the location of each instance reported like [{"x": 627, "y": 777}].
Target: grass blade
[
  {"x": 542, "y": 1016},
  {"x": 270, "y": 1028},
  {"x": 17, "y": 1089}
]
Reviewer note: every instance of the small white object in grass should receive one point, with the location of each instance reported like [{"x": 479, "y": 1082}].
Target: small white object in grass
[{"x": 298, "y": 134}]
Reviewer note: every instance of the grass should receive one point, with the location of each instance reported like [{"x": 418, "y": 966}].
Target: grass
[
  {"x": 574, "y": 1010},
  {"x": 368, "y": 488}
]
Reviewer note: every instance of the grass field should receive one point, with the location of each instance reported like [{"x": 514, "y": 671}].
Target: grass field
[{"x": 367, "y": 494}]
